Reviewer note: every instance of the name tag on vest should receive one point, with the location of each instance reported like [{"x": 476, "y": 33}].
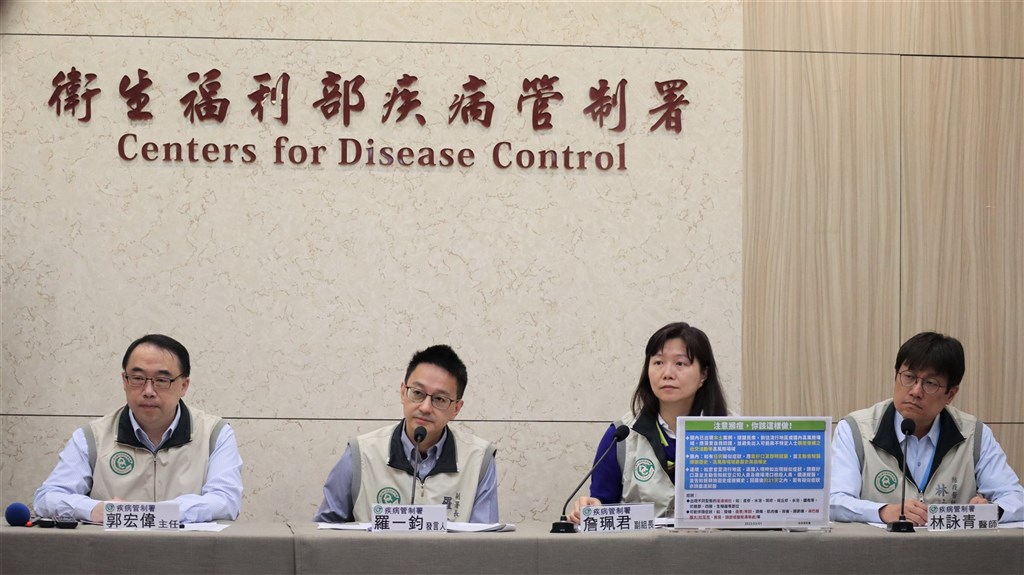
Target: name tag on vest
[
  {"x": 136, "y": 515},
  {"x": 621, "y": 517},
  {"x": 957, "y": 517},
  {"x": 409, "y": 518}
]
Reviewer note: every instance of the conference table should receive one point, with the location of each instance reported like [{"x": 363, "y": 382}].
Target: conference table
[
  {"x": 299, "y": 547},
  {"x": 255, "y": 548}
]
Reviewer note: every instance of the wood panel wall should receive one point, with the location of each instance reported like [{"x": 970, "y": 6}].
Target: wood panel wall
[
  {"x": 821, "y": 217},
  {"x": 947, "y": 28},
  {"x": 884, "y": 196},
  {"x": 963, "y": 219}
]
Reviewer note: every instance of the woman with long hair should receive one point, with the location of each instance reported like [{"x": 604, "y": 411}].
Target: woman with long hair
[{"x": 679, "y": 378}]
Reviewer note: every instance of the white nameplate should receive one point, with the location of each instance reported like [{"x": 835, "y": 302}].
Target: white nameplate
[
  {"x": 617, "y": 517},
  {"x": 409, "y": 518},
  {"x": 141, "y": 515},
  {"x": 957, "y": 517}
]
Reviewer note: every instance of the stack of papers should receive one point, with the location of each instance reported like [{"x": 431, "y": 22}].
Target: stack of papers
[
  {"x": 344, "y": 526},
  {"x": 205, "y": 527},
  {"x": 453, "y": 527},
  {"x": 458, "y": 527}
]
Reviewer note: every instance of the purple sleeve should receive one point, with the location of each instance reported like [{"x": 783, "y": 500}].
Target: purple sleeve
[
  {"x": 606, "y": 483},
  {"x": 337, "y": 504}
]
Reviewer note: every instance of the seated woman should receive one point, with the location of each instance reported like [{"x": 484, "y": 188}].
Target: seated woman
[{"x": 679, "y": 378}]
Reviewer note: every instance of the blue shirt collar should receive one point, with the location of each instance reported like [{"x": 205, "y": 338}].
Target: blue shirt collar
[
  {"x": 141, "y": 435},
  {"x": 932, "y": 435},
  {"x": 432, "y": 453}
]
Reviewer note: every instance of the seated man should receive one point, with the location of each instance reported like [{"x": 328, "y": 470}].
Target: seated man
[
  {"x": 951, "y": 456},
  {"x": 152, "y": 449},
  {"x": 457, "y": 468}
]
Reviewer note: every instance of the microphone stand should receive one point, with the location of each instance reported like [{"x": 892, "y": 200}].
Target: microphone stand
[
  {"x": 563, "y": 525},
  {"x": 418, "y": 436},
  {"x": 902, "y": 525}
]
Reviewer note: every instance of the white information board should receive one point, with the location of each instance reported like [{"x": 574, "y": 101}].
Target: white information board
[{"x": 747, "y": 472}]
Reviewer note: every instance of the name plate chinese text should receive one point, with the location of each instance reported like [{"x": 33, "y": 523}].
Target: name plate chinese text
[
  {"x": 410, "y": 518},
  {"x": 141, "y": 515},
  {"x": 622, "y": 517},
  {"x": 957, "y": 517}
]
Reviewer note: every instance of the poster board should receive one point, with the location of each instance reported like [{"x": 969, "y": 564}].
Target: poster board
[{"x": 753, "y": 472}]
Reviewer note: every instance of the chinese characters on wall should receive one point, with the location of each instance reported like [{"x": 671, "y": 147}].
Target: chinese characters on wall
[{"x": 208, "y": 100}]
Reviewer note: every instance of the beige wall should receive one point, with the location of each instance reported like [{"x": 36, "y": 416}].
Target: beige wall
[
  {"x": 303, "y": 291},
  {"x": 778, "y": 221},
  {"x": 884, "y": 197}
]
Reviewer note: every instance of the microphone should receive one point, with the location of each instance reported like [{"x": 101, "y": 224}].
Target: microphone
[
  {"x": 902, "y": 525},
  {"x": 563, "y": 525},
  {"x": 18, "y": 515},
  {"x": 418, "y": 435}
]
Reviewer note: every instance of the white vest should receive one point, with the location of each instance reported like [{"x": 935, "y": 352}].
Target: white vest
[
  {"x": 644, "y": 476},
  {"x": 123, "y": 467},
  {"x": 952, "y": 477},
  {"x": 381, "y": 473}
]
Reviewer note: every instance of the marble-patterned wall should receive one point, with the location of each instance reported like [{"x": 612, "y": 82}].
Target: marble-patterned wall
[{"x": 302, "y": 290}]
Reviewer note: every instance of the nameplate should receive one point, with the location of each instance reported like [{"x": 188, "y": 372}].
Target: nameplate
[
  {"x": 409, "y": 518},
  {"x": 136, "y": 515},
  {"x": 612, "y": 518},
  {"x": 958, "y": 517}
]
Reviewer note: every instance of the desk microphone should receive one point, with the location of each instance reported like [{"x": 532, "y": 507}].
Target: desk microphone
[
  {"x": 418, "y": 435},
  {"x": 563, "y": 525},
  {"x": 18, "y": 515},
  {"x": 902, "y": 525}
]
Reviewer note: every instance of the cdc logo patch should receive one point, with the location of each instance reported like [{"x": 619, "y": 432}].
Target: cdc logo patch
[
  {"x": 388, "y": 496},
  {"x": 644, "y": 469},
  {"x": 886, "y": 481},
  {"x": 122, "y": 463}
]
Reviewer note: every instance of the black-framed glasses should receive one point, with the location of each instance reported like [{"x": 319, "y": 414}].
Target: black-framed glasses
[
  {"x": 158, "y": 382},
  {"x": 908, "y": 380},
  {"x": 440, "y": 402}
]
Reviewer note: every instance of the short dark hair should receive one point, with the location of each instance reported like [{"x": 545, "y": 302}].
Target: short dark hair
[
  {"x": 709, "y": 399},
  {"x": 935, "y": 351},
  {"x": 444, "y": 357},
  {"x": 166, "y": 343}
]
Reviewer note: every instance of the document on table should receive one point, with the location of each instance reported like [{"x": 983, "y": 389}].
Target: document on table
[
  {"x": 344, "y": 526},
  {"x": 459, "y": 527},
  {"x": 204, "y": 527},
  {"x": 1012, "y": 525},
  {"x": 453, "y": 527}
]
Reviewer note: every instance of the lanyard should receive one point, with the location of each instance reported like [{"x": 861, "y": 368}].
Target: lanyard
[
  {"x": 920, "y": 444},
  {"x": 664, "y": 443},
  {"x": 928, "y": 470}
]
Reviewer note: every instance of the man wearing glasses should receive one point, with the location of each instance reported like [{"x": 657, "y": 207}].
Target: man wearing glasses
[
  {"x": 951, "y": 456},
  {"x": 152, "y": 449},
  {"x": 456, "y": 469}
]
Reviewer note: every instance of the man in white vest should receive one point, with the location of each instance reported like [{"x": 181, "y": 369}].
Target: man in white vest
[
  {"x": 153, "y": 449},
  {"x": 952, "y": 457},
  {"x": 456, "y": 470}
]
